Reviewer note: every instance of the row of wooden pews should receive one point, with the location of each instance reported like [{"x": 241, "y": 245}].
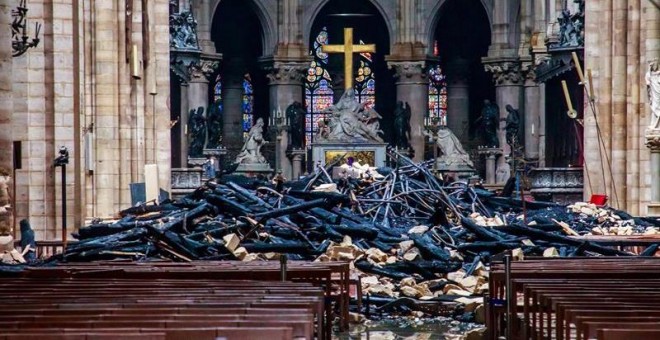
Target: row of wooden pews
[
  {"x": 605, "y": 298},
  {"x": 165, "y": 300}
]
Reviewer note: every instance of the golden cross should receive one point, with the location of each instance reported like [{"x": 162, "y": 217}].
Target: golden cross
[{"x": 348, "y": 49}]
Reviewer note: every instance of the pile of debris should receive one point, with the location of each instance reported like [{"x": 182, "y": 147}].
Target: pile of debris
[{"x": 417, "y": 243}]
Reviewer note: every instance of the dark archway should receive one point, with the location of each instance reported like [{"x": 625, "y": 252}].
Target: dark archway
[
  {"x": 238, "y": 34},
  {"x": 369, "y": 27},
  {"x": 463, "y": 33}
]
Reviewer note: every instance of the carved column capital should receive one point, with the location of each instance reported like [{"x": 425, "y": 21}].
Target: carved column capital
[
  {"x": 529, "y": 74},
  {"x": 505, "y": 72},
  {"x": 286, "y": 72},
  {"x": 653, "y": 139},
  {"x": 203, "y": 69},
  {"x": 409, "y": 71}
]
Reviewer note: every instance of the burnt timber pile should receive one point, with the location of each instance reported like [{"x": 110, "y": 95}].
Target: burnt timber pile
[{"x": 412, "y": 239}]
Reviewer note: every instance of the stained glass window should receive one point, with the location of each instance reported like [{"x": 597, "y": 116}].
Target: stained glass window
[
  {"x": 318, "y": 87},
  {"x": 217, "y": 89},
  {"x": 217, "y": 92},
  {"x": 248, "y": 105},
  {"x": 438, "y": 94},
  {"x": 365, "y": 83}
]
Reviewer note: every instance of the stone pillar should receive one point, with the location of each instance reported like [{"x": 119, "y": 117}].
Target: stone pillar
[
  {"x": 6, "y": 98},
  {"x": 653, "y": 143},
  {"x": 285, "y": 85},
  {"x": 531, "y": 114},
  {"x": 183, "y": 121},
  {"x": 198, "y": 86},
  {"x": 232, "y": 92},
  {"x": 458, "y": 98},
  {"x": 412, "y": 86},
  {"x": 6, "y": 109},
  {"x": 541, "y": 127},
  {"x": 297, "y": 156},
  {"x": 490, "y": 168},
  {"x": 508, "y": 90},
  {"x": 491, "y": 155},
  {"x": 204, "y": 17}
]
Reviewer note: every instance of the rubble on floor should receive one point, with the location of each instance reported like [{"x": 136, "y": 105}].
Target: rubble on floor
[{"x": 420, "y": 246}]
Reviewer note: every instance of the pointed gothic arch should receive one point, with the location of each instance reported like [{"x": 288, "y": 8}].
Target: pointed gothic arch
[
  {"x": 266, "y": 11},
  {"x": 372, "y": 80},
  {"x": 432, "y": 18},
  {"x": 238, "y": 34},
  {"x": 386, "y": 9}
]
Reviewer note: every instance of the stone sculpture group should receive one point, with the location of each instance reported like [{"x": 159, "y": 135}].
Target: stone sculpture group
[{"x": 350, "y": 122}]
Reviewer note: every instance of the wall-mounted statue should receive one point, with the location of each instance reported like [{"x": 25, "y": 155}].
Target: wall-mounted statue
[
  {"x": 295, "y": 114},
  {"x": 402, "y": 125},
  {"x": 196, "y": 133},
  {"x": 214, "y": 125},
  {"x": 512, "y": 125},
  {"x": 571, "y": 27},
  {"x": 490, "y": 123},
  {"x": 251, "y": 151},
  {"x": 183, "y": 31},
  {"x": 653, "y": 90}
]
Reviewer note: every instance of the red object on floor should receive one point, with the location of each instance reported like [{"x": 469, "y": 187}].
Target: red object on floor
[{"x": 598, "y": 199}]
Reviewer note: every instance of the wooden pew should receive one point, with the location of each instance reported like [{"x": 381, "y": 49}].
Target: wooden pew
[
  {"x": 556, "y": 292},
  {"x": 80, "y": 301}
]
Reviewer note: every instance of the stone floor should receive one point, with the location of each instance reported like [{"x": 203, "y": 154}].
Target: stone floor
[{"x": 407, "y": 329}]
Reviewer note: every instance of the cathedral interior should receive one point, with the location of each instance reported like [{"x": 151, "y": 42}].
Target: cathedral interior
[
  {"x": 400, "y": 158},
  {"x": 176, "y": 83}
]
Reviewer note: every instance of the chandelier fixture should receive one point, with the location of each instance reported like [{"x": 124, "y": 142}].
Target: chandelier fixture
[{"x": 20, "y": 41}]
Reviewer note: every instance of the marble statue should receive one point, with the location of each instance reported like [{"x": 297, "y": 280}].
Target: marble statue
[
  {"x": 196, "y": 132},
  {"x": 402, "y": 125},
  {"x": 214, "y": 125},
  {"x": 453, "y": 154},
  {"x": 251, "y": 151},
  {"x": 295, "y": 115},
  {"x": 350, "y": 122},
  {"x": 653, "y": 89},
  {"x": 489, "y": 122},
  {"x": 512, "y": 124}
]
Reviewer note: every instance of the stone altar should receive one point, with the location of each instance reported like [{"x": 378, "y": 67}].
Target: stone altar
[
  {"x": 561, "y": 185},
  {"x": 185, "y": 181},
  {"x": 370, "y": 153}
]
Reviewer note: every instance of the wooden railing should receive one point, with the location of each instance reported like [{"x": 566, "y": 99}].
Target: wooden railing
[{"x": 47, "y": 249}]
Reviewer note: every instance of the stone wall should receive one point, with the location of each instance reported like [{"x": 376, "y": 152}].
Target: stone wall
[
  {"x": 621, "y": 37},
  {"x": 76, "y": 90}
]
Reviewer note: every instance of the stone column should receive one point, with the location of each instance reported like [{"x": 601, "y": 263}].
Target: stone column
[
  {"x": 531, "y": 113},
  {"x": 458, "y": 97},
  {"x": 183, "y": 121},
  {"x": 204, "y": 17},
  {"x": 297, "y": 157},
  {"x": 285, "y": 85},
  {"x": 412, "y": 86},
  {"x": 232, "y": 93},
  {"x": 508, "y": 90},
  {"x": 491, "y": 155},
  {"x": 6, "y": 109},
  {"x": 653, "y": 143},
  {"x": 198, "y": 85},
  {"x": 541, "y": 128}
]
